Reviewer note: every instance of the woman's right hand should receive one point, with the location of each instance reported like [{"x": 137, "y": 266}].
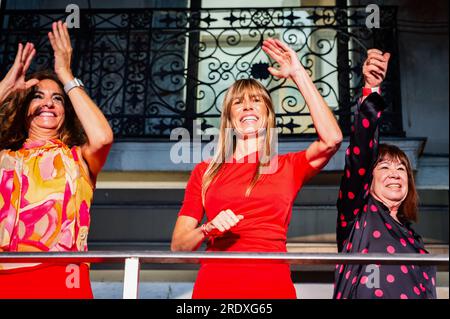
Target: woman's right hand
[
  {"x": 223, "y": 222},
  {"x": 375, "y": 67},
  {"x": 15, "y": 78}
]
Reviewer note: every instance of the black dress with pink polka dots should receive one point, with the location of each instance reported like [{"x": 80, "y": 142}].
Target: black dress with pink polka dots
[{"x": 364, "y": 225}]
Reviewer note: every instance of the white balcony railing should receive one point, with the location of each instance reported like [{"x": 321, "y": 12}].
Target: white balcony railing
[{"x": 133, "y": 260}]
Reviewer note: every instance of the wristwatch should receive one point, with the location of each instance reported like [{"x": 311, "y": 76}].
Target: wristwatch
[{"x": 72, "y": 84}]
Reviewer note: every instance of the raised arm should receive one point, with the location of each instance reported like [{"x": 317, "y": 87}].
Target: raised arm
[
  {"x": 363, "y": 147},
  {"x": 14, "y": 80},
  {"x": 327, "y": 128},
  {"x": 98, "y": 131}
]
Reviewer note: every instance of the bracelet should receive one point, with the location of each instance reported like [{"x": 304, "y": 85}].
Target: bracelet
[
  {"x": 204, "y": 231},
  {"x": 368, "y": 91}
]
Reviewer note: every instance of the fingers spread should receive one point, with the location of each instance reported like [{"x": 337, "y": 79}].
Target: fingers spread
[
  {"x": 28, "y": 60},
  {"x": 65, "y": 40},
  {"x": 57, "y": 38},
  {"x": 19, "y": 54}
]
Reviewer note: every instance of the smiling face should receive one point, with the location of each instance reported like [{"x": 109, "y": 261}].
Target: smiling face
[
  {"x": 46, "y": 109},
  {"x": 248, "y": 114},
  {"x": 390, "y": 180}
]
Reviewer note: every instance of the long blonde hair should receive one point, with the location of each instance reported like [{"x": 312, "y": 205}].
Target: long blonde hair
[{"x": 226, "y": 144}]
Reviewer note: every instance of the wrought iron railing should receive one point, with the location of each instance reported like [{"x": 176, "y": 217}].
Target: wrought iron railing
[{"x": 156, "y": 69}]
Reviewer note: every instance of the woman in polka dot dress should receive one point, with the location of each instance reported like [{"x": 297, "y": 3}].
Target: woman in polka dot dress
[{"x": 376, "y": 205}]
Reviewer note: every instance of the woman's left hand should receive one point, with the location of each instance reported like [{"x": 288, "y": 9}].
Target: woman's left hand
[
  {"x": 62, "y": 48},
  {"x": 285, "y": 56}
]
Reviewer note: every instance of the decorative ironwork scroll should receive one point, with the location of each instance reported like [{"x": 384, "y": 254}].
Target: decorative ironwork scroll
[{"x": 140, "y": 65}]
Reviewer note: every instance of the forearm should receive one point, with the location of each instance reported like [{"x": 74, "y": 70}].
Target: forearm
[
  {"x": 323, "y": 119},
  {"x": 96, "y": 126},
  {"x": 361, "y": 154},
  {"x": 188, "y": 240}
]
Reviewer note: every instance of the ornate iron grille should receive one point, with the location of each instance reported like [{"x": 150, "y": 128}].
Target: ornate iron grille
[{"x": 153, "y": 70}]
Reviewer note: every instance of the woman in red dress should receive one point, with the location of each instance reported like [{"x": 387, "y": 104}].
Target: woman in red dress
[{"x": 247, "y": 191}]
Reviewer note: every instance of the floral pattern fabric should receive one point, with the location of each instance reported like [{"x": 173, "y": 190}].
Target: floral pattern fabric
[{"x": 45, "y": 198}]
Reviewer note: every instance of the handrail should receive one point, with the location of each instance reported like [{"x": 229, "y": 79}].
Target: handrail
[
  {"x": 133, "y": 259},
  {"x": 167, "y": 257}
]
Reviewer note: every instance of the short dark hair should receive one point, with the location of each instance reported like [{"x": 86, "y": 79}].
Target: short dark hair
[{"x": 408, "y": 210}]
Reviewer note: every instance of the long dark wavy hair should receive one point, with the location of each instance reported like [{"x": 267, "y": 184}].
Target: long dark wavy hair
[{"x": 14, "y": 123}]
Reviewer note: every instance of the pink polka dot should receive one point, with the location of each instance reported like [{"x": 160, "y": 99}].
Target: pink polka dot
[
  {"x": 366, "y": 186},
  {"x": 349, "y": 246},
  {"x": 351, "y": 195},
  {"x": 433, "y": 281},
  {"x": 347, "y": 151},
  {"x": 357, "y": 224},
  {"x": 361, "y": 171},
  {"x": 339, "y": 295},
  {"x": 355, "y": 212},
  {"x": 403, "y": 242},
  {"x": 347, "y": 173},
  {"x": 379, "y": 293},
  {"x": 373, "y": 208},
  {"x": 390, "y": 278},
  {"x": 371, "y": 144},
  {"x": 422, "y": 251},
  {"x": 403, "y": 296},
  {"x": 356, "y": 150},
  {"x": 404, "y": 269},
  {"x": 355, "y": 279},
  {"x": 337, "y": 266},
  {"x": 343, "y": 224},
  {"x": 412, "y": 266},
  {"x": 364, "y": 251},
  {"x": 365, "y": 123},
  {"x": 378, "y": 114},
  {"x": 365, "y": 208},
  {"x": 347, "y": 275},
  {"x": 425, "y": 275},
  {"x": 365, "y": 224},
  {"x": 390, "y": 249},
  {"x": 341, "y": 269},
  {"x": 422, "y": 288},
  {"x": 388, "y": 226},
  {"x": 416, "y": 290},
  {"x": 411, "y": 240},
  {"x": 410, "y": 232},
  {"x": 342, "y": 217},
  {"x": 363, "y": 280},
  {"x": 376, "y": 234}
]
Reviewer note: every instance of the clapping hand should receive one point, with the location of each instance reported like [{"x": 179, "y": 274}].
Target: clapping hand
[
  {"x": 15, "y": 78},
  {"x": 62, "y": 48}
]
